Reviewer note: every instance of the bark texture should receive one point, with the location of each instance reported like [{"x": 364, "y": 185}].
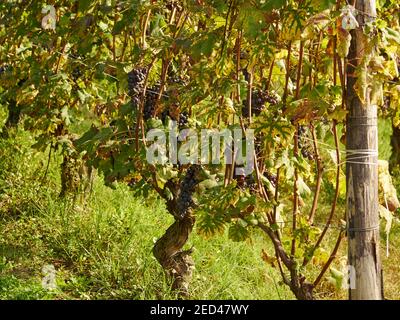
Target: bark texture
[
  {"x": 168, "y": 251},
  {"x": 178, "y": 263},
  {"x": 362, "y": 172}
]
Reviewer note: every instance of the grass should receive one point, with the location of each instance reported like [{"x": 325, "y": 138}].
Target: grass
[{"x": 102, "y": 250}]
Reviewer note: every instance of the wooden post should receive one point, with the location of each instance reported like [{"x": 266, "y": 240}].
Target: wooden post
[{"x": 362, "y": 173}]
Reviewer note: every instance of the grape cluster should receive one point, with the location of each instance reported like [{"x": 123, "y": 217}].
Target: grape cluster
[
  {"x": 258, "y": 100},
  {"x": 135, "y": 84},
  {"x": 185, "y": 200},
  {"x": 150, "y": 102},
  {"x": 183, "y": 119},
  {"x": 304, "y": 145},
  {"x": 244, "y": 182}
]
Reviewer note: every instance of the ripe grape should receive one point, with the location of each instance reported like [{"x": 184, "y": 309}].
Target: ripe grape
[
  {"x": 150, "y": 102},
  {"x": 304, "y": 144},
  {"x": 258, "y": 100},
  {"x": 136, "y": 79},
  {"x": 183, "y": 119},
  {"x": 185, "y": 200}
]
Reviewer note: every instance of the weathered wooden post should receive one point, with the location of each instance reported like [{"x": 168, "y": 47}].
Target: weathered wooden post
[{"x": 362, "y": 169}]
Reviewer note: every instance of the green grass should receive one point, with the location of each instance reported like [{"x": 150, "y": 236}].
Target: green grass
[{"x": 104, "y": 251}]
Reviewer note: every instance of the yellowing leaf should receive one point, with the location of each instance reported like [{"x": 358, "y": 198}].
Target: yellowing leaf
[{"x": 343, "y": 42}]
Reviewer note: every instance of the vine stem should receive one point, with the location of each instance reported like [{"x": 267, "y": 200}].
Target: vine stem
[
  {"x": 285, "y": 92},
  {"x": 114, "y": 40},
  {"x": 228, "y": 14},
  {"x": 125, "y": 44},
  {"x": 267, "y": 86},
  {"x": 276, "y": 193},
  {"x": 277, "y": 245},
  {"x": 296, "y": 150},
  {"x": 171, "y": 19},
  {"x": 60, "y": 56},
  {"x": 319, "y": 176},
  {"x": 316, "y": 57},
  {"x": 330, "y": 259},
  {"x": 336, "y": 196},
  {"x": 229, "y": 168},
  {"x": 337, "y": 150},
  {"x": 165, "y": 65},
  {"x": 145, "y": 28}
]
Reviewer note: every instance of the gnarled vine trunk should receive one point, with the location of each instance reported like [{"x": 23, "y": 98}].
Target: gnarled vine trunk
[
  {"x": 76, "y": 178},
  {"x": 76, "y": 175},
  {"x": 168, "y": 251},
  {"x": 303, "y": 291}
]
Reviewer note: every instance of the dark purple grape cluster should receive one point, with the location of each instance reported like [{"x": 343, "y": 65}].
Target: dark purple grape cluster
[
  {"x": 150, "y": 102},
  {"x": 301, "y": 131},
  {"x": 183, "y": 120},
  {"x": 258, "y": 100},
  {"x": 185, "y": 199},
  {"x": 306, "y": 153},
  {"x": 304, "y": 144},
  {"x": 174, "y": 82},
  {"x": 135, "y": 84}
]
